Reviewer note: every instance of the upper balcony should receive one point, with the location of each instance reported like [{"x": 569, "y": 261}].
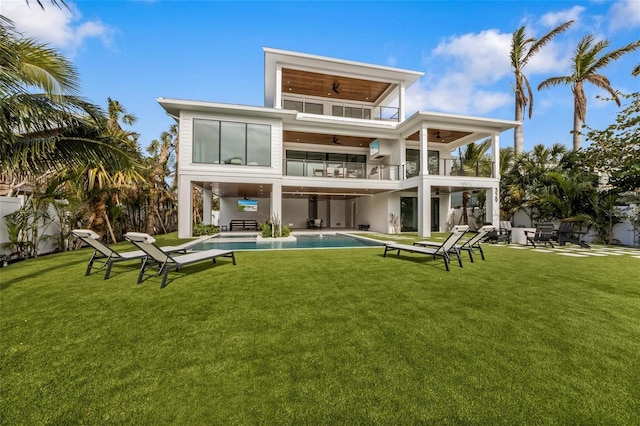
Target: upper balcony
[
  {"x": 335, "y": 87},
  {"x": 438, "y": 167}
]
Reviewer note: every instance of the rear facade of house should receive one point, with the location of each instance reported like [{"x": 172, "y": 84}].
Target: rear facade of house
[{"x": 332, "y": 146}]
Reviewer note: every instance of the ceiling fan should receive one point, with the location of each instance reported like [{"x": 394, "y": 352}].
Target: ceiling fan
[
  {"x": 336, "y": 88},
  {"x": 336, "y": 141}
]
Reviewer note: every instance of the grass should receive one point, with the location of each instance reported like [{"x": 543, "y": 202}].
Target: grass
[{"x": 323, "y": 337}]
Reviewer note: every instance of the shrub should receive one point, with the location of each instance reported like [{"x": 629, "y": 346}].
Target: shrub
[{"x": 200, "y": 229}]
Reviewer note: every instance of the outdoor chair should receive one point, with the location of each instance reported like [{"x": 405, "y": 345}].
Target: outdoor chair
[
  {"x": 108, "y": 256},
  {"x": 441, "y": 250},
  {"x": 165, "y": 262},
  {"x": 565, "y": 234},
  {"x": 543, "y": 234},
  {"x": 471, "y": 245},
  {"x": 502, "y": 234}
]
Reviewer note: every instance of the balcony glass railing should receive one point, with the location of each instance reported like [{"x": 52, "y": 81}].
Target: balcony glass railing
[
  {"x": 452, "y": 167},
  {"x": 342, "y": 170},
  {"x": 461, "y": 167},
  {"x": 343, "y": 109}
]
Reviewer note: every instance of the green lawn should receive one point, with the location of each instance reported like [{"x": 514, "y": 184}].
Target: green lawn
[{"x": 324, "y": 337}]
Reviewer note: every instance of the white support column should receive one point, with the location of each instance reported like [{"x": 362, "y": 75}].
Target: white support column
[
  {"x": 401, "y": 96},
  {"x": 206, "y": 206},
  {"x": 495, "y": 155},
  {"x": 424, "y": 208},
  {"x": 493, "y": 206},
  {"x": 493, "y": 195},
  {"x": 277, "y": 99},
  {"x": 402, "y": 146},
  {"x": 276, "y": 200},
  {"x": 424, "y": 152},
  {"x": 185, "y": 209}
]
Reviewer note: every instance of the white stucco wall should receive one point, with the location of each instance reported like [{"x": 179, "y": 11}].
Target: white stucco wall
[{"x": 295, "y": 211}]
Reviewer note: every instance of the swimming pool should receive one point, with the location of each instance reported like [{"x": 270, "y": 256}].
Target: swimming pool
[{"x": 302, "y": 242}]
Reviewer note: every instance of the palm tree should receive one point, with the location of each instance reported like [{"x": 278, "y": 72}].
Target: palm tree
[
  {"x": 44, "y": 123},
  {"x": 589, "y": 58},
  {"x": 527, "y": 181},
  {"x": 57, "y": 3},
  {"x": 116, "y": 114},
  {"x": 523, "y": 48},
  {"x": 158, "y": 170}
]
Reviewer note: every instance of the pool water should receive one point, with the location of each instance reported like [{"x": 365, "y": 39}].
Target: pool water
[{"x": 302, "y": 242}]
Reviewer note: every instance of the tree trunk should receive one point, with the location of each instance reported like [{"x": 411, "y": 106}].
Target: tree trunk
[
  {"x": 518, "y": 133},
  {"x": 577, "y": 128},
  {"x": 98, "y": 209}
]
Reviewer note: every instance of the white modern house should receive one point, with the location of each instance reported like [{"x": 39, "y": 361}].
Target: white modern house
[{"x": 332, "y": 143}]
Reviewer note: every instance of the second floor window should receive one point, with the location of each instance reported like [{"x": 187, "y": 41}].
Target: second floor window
[{"x": 226, "y": 142}]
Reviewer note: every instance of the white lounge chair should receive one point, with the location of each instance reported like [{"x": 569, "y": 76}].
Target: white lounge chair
[
  {"x": 470, "y": 245},
  {"x": 164, "y": 260},
  {"x": 108, "y": 256},
  {"x": 441, "y": 250}
]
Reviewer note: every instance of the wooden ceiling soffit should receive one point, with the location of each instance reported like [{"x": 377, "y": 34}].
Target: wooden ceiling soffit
[
  {"x": 326, "y": 139},
  {"x": 440, "y": 136},
  {"x": 308, "y": 83}
]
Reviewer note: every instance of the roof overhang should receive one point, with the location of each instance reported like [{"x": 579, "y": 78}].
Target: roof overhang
[{"x": 174, "y": 106}]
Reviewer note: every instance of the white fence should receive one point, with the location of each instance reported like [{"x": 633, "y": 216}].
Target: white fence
[{"x": 10, "y": 205}]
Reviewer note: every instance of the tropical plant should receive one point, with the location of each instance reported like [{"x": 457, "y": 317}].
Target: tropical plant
[
  {"x": 527, "y": 181},
  {"x": 523, "y": 49},
  {"x": 44, "y": 124},
  {"x": 614, "y": 151},
  {"x": 161, "y": 199},
  {"x": 589, "y": 59},
  {"x": 18, "y": 242},
  {"x": 273, "y": 228},
  {"x": 202, "y": 229}
]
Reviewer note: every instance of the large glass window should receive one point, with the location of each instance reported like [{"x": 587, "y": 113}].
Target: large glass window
[
  {"x": 409, "y": 214},
  {"x": 234, "y": 143},
  {"x": 206, "y": 141},
  {"x": 258, "y": 145}
]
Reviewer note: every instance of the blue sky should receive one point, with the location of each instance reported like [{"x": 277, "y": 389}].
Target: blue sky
[{"x": 137, "y": 51}]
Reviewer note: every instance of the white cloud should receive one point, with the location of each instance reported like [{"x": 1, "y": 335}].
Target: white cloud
[
  {"x": 455, "y": 94},
  {"x": 58, "y": 27},
  {"x": 625, "y": 14},
  {"x": 483, "y": 57},
  {"x": 553, "y": 19},
  {"x": 468, "y": 66},
  {"x": 474, "y": 74}
]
